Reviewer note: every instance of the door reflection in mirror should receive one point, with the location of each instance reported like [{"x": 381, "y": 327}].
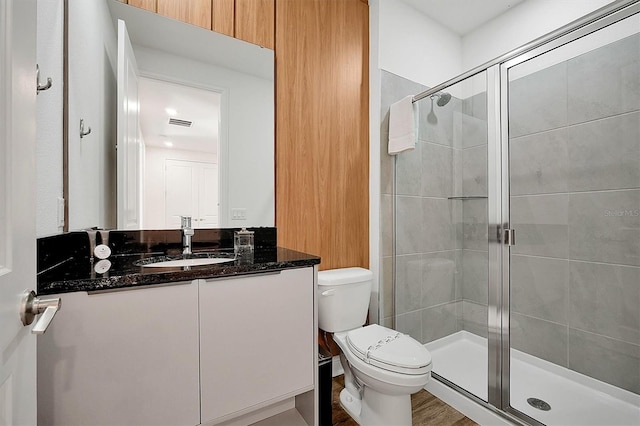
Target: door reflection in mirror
[{"x": 180, "y": 128}]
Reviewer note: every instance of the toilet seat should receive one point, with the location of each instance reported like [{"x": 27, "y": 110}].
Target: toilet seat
[{"x": 389, "y": 350}]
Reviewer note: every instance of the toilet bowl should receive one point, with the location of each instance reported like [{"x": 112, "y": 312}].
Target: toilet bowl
[
  {"x": 384, "y": 378},
  {"x": 383, "y": 367}
]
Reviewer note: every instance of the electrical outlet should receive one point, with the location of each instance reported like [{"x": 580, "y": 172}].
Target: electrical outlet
[{"x": 238, "y": 214}]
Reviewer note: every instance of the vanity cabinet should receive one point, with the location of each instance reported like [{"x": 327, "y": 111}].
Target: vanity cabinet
[
  {"x": 122, "y": 358},
  {"x": 257, "y": 341},
  {"x": 238, "y": 349}
]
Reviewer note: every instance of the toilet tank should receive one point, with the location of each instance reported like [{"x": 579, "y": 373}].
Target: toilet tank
[{"x": 343, "y": 298}]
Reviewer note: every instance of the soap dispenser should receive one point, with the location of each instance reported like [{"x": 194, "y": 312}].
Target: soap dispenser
[{"x": 243, "y": 242}]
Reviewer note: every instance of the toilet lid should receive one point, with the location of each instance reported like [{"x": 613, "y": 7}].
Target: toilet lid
[{"x": 389, "y": 349}]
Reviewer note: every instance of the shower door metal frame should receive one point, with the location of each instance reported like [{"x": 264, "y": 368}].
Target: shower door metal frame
[
  {"x": 495, "y": 214},
  {"x": 499, "y": 290}
]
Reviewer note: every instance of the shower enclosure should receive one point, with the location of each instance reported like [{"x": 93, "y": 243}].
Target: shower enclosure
[{"x": 516, "y": 255}]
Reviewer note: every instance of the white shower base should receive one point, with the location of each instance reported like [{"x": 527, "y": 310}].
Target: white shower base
[{"x": 575, "y": 399}]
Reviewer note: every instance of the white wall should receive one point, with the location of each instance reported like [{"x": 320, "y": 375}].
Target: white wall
[
  {"x": 49, "y": 117},
  {"x": 374, "y": 160},
  {"x": 520, "y": 25},
  {"x": 250, "y": 157},
  {"x": 416, "y": 47},
  {"x": 154, "y": 178},
  {"x": 92, "y": 91}
]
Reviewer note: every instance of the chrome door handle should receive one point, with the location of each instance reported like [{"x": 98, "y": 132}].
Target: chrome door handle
[{"x": 32, "y": 306}]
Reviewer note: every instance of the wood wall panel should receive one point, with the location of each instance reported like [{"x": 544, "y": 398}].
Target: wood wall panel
[
  {"x": 255, "y": 21},
  {"x": 196, "y": 12},
  {"x": 144, "y": 4},
  {"x": 322, "y": 129},
  {"x": 222, "y": 16}
]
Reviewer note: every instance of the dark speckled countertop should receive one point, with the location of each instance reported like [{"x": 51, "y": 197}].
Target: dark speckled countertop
[{"x": 66, "y": 268}]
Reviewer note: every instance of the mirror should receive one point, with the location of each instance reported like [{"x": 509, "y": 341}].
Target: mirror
[{"x": 194, "y": 129}]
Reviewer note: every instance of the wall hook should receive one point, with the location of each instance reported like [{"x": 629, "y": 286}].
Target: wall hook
[
  {"x": 84, "y": 133},
  {"x": 41, "y": 87}
]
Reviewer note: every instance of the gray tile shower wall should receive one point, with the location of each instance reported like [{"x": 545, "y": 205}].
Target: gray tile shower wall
[
  {"x": 542, "y": 287},
  {"x": 427, "y": 239},
  {"x": 604, "y": 82},
  {"x": 393, "y": 89},
  {"x": 473, "y": 174},
  {"x": 539, "y": 163},
  {"x": 575, "y": 182},
  {"x": 441, "y": 244},
  {"x": 538, "y": 102},
  {"x": 610, "y": 360}
]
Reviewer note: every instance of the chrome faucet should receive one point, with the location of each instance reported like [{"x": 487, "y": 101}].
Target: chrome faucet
[{"x": 187, "y": 233}]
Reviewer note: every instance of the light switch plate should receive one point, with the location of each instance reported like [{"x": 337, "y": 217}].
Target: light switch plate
[{"x": 238, "y": 214}]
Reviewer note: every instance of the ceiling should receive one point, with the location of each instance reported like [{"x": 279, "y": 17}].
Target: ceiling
[
  {"x": 200, "y": 106},
  {"x": 462, "y": 16}
]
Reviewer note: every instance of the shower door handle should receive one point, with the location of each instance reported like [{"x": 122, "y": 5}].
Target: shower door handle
[{"x": 510, "y": 237}]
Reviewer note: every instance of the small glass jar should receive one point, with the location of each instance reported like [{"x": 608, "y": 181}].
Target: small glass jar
[{"x": 243, "y": 242}]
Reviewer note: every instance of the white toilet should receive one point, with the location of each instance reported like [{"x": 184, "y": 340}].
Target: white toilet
[{"x": 382, "y": 367}]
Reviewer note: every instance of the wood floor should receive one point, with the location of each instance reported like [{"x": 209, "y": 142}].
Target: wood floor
[{"x": 427, "y": 410}]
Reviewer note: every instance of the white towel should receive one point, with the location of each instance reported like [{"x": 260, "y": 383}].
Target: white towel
[{"x": 401, "y": 126}]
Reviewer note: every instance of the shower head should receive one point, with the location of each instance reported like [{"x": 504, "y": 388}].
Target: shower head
[{"x": 443, "y": 98}]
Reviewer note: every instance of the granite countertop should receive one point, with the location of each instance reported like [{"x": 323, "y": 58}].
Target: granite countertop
[
  {"x": 126, "y": 270},
  {"x": 64, "y": 271}
]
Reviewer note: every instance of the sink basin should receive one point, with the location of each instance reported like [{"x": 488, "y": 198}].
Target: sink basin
[{"x": 181, "y": 261}]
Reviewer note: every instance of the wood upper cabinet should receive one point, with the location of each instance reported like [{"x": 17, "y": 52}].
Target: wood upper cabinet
[
  {"x": 143, "y": 4},
  {"x": 196, "y": 12},
  {"x": 223, "y": 15},
  {"x": 255, "y": 22},
  {"x": 248, "y": 20},
  {"x": 322, "y": 129}
]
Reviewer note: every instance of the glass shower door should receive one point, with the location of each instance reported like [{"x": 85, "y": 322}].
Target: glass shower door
[
  {"x": 441, "y": 251},
  {"x": 574, "y": 201}
]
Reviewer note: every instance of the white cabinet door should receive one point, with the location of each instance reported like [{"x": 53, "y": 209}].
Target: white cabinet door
[
  {"x": 122, "y": 358},
  {"x": 257, "y": 341}
]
